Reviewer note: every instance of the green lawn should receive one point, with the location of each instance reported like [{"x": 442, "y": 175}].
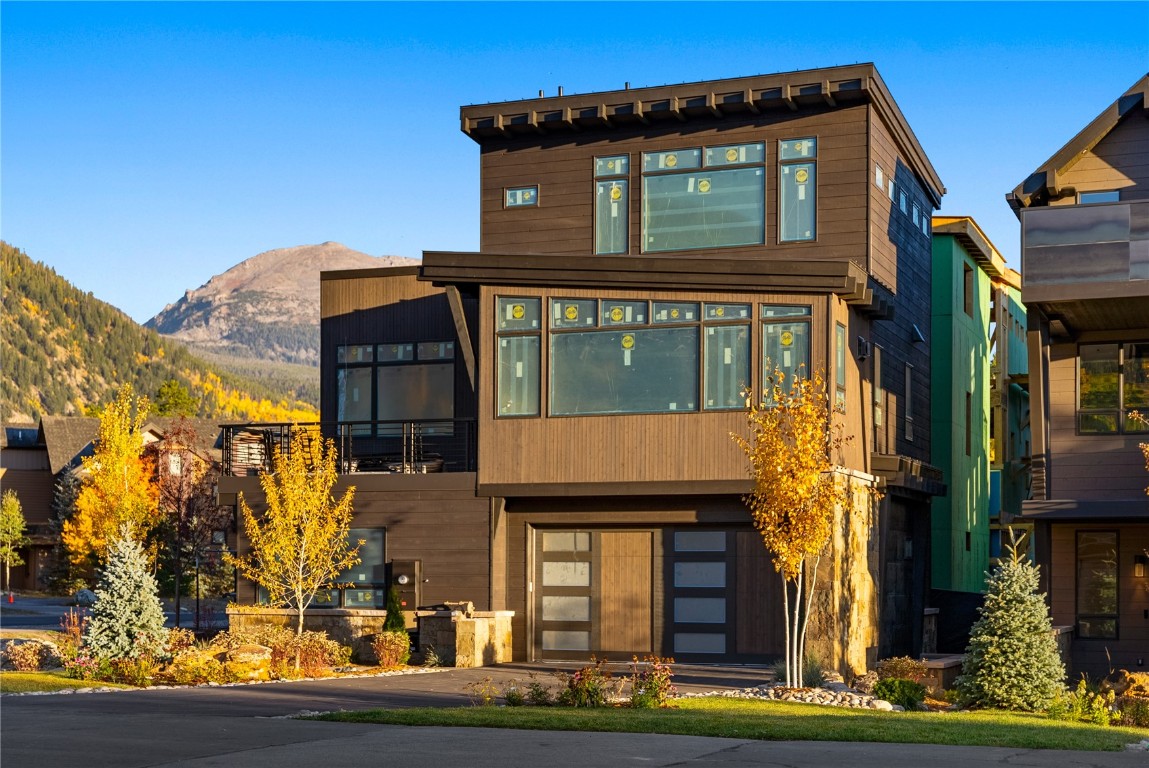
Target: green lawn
[
  {"x": 55, "y": 680},
  {"x": 777, "y": 721}
]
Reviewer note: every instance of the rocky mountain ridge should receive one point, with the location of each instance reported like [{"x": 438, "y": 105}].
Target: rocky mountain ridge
[{"x": 266, "y": 307}]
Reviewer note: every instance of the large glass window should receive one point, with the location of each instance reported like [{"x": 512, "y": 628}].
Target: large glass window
[
  {"x": 785, "y": 342},
  {"x": 699, "y": 198},
  {"x": 642, "y": 370},
  {"x": 519, "y": 342},
  {"x": 395, "y": 382},
  {"x": 797, "y": 189},
  {"x": 1097, "y": 584},
  {"x": 1112, "y": 381},
  {"x": 727, "y": 366},
  {"x": 611, "y": 204}
]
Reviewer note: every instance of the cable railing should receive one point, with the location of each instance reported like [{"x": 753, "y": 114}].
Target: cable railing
[{"x": 397, "y": 447}]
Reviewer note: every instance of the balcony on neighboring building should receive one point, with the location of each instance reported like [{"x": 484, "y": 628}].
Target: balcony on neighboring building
[{"x": 400, "y": 447}]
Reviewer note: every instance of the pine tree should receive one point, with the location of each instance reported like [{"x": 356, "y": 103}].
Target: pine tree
[
  {"x": 127, "y": 619},
  {"x": 1012, "y": 660}
]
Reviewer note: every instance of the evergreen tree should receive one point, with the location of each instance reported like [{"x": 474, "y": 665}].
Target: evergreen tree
[
  {"x": 127, "y": 619},
  {"x": 1012, "y": 660},
  {"x": 395, "y": 621}
]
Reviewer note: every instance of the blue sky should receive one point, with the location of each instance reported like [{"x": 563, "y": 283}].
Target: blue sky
[{"x": 148, "y": 146}]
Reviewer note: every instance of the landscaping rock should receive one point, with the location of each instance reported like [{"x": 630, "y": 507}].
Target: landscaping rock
[
  {"x": 85, "y": 598},
  {"x": 827, "y": 696}
]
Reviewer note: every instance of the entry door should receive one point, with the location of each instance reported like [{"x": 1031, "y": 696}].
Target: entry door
[{"x": 593, "y": 593}]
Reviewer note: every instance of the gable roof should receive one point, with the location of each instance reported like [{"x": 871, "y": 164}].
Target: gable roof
[
  {"x": 67, "y": 438},
  {"x": 967, "y": 232},
  {"x": 1044, "y": 183}
]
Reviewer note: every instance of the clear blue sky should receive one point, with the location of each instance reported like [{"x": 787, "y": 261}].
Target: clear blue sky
[{"x": 149, "y": 146}]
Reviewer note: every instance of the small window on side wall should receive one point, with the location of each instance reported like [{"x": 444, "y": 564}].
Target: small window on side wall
[
  {"x": 521, "y": 197},
  {"x": 1106, "y": 196}
]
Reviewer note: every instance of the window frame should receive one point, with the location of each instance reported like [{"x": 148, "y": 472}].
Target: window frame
[
  {"x": 1078, "y": 615},
  {"x": 909, "y": 415},
  {"x": 1121, "y": 410},
  {"x": 783, "y": 163},
  {"x": 532, "y": 189},
  {"x": 618, "y": 179},
  {"x": 805, "y": 317},
  {"x": 515, "y": 333}
]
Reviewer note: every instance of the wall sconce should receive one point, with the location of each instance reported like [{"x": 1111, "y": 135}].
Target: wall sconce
[
  {"x": 863, "y": 348},
  {"x": 1139, "y": 563}
]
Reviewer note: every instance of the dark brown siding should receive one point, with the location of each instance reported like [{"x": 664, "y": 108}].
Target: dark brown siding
[
  {"x": 1098, "y": 657},
  {"x": 34, "y": 489},
  {"x": 563, "y": 168},
  {"x": 435, "y": 518},
  {"x": 629, "y": 448},
  {"x": 1119, "y": 161},
  {"x": 392, "y": 307},
  {"x": 1086, "y": 466}
]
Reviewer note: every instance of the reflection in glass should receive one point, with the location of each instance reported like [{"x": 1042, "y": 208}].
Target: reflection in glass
[{"x": 707, "y": 209}]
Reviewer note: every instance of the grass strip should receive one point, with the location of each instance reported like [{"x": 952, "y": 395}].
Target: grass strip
[
  {"x": 54, "y": 680},
  {"x": 776, "y": 721}
]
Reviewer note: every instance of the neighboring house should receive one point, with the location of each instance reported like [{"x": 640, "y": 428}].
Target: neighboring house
[
  {"x": 979, "y": 402},
  {"x": 32, "y": 459},
  {"x": 1085, "y": 266},
  {"x": 545, "y": 425}
]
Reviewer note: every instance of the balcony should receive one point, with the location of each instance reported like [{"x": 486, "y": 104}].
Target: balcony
[
  {"x": 1087, "y": 265},
  {"x": 396, "y": 447}
]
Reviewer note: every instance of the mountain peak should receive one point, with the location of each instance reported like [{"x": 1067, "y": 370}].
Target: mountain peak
[{"x": 265, "y": 307}]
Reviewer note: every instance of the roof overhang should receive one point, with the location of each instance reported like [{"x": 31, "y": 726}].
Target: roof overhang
[
  {"x": 1087, "y": 511},
  {"x": 845, "y": 279},
  {"x": 1044, "y": 184},
  {"x": 903, "y": 476},
  {"x": 966, "y": 231},
  {"x": 714, "y": 100}
]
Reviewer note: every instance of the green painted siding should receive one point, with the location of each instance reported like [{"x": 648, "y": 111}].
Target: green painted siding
[{"x": 961, "y": 366}]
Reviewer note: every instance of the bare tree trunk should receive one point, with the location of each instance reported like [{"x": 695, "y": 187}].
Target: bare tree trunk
[
  {"x": 797, "y": 646},
  {"x": 809, "y": 599},
  {"x": 786, "y": 623}
]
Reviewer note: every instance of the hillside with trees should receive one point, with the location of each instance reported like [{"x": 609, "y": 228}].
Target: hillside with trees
[{"x": 65, "y": 352}]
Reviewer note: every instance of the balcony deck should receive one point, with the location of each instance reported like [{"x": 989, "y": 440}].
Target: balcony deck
[{"x": 394, "y": 447}]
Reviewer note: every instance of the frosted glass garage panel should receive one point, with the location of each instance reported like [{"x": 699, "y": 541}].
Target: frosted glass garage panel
[
  {"x": 566, "y": 574},
  {"x": 699, "y": 642},
  {"x": 700, "y": 574},
  {"x": 566, "y": 541},
  {"x": 565, "y": 641},
  {"x": 700, "y": 541},
  {"x": 566, "y": 608},
  {"x": 700, "y": 610}
]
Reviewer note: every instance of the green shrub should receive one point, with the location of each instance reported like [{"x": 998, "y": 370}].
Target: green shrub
[
  {"x": 903, "y": 667},
  {"x": 392, "y": 648},
  {"x": 26, "y": 656},
  {"x": 587, "y": 687},
  {"x": 1087, "y": 704},
  {"x": 908, "y": 694},
  {"x": 538, "y": 694},
  {"x": 139, "y": 670},
  {"x": 395, "y": 621},
  {"x": 1133, "y": 711},
  {"x": 178, "y": 641},
  {"x": 650, "y": 688},
  {"x": 317, "y": 653},
  {"x": 813, "y": 676},
  {"x": 514, "y": 695},
  {"x": 1012, "y": 660}
]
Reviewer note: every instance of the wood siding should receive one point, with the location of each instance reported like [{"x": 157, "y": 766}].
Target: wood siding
[
  {"x": 1098, "y": 657},
  {"x": 1120, "y": 161},
  {"x": 1086, "y": 467},
  {"x": 620, "y": 448},
  {"x": 381, "y": 306},
  {"x": 416, "y": 510},
  {"x": 625, "y": 593},
  {"x": 563, "y": 169}
]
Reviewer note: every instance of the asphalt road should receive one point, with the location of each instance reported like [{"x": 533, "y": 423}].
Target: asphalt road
[{"x": 246, "y": 727}]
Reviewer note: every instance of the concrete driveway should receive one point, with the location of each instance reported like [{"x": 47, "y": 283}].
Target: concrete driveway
[{"x": 245, "y": 727}]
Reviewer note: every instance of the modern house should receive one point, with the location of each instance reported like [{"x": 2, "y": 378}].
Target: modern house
[
  {"x": 544, "y": 426},
  {"x": 1085, "y": 266},
  {"x": 980, "y": 409}
]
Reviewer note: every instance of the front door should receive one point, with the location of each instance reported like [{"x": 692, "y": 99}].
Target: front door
[{"x": 593, "y": 594}]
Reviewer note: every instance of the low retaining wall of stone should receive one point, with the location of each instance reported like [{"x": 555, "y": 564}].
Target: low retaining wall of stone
[{"x": 349, "y": 626}]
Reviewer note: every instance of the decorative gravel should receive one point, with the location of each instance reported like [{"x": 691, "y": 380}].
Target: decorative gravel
[{"x": 832, "y": 695}]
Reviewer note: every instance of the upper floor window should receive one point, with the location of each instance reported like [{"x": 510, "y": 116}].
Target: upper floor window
[
  {"x": 785, "y": 342},
  {"x": 395, "y": 382},
  {"x": 518, "y": 325},
  {"x": 709, "y": 197},
  {"x": 1112, "y": 380},
  {"x": 521, "y": 197},
  {"x": 1106, "y": 196},
  {"x": 611, "y": 204},
  {"x": 967, "y": 289},
  {"x": 840, "y": 357},
  {"x": 879, "y": 178},
  {"x": 797, "y": 189},
  {"x": 909, "y": 403}
]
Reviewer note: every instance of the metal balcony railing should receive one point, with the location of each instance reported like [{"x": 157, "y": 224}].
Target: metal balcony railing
[{"x": 404, "y": 447}]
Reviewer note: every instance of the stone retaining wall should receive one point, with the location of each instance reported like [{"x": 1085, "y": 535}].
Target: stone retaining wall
[
  {"x": 349, "y": 626},
  {"x": 470, "y": 639}
]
